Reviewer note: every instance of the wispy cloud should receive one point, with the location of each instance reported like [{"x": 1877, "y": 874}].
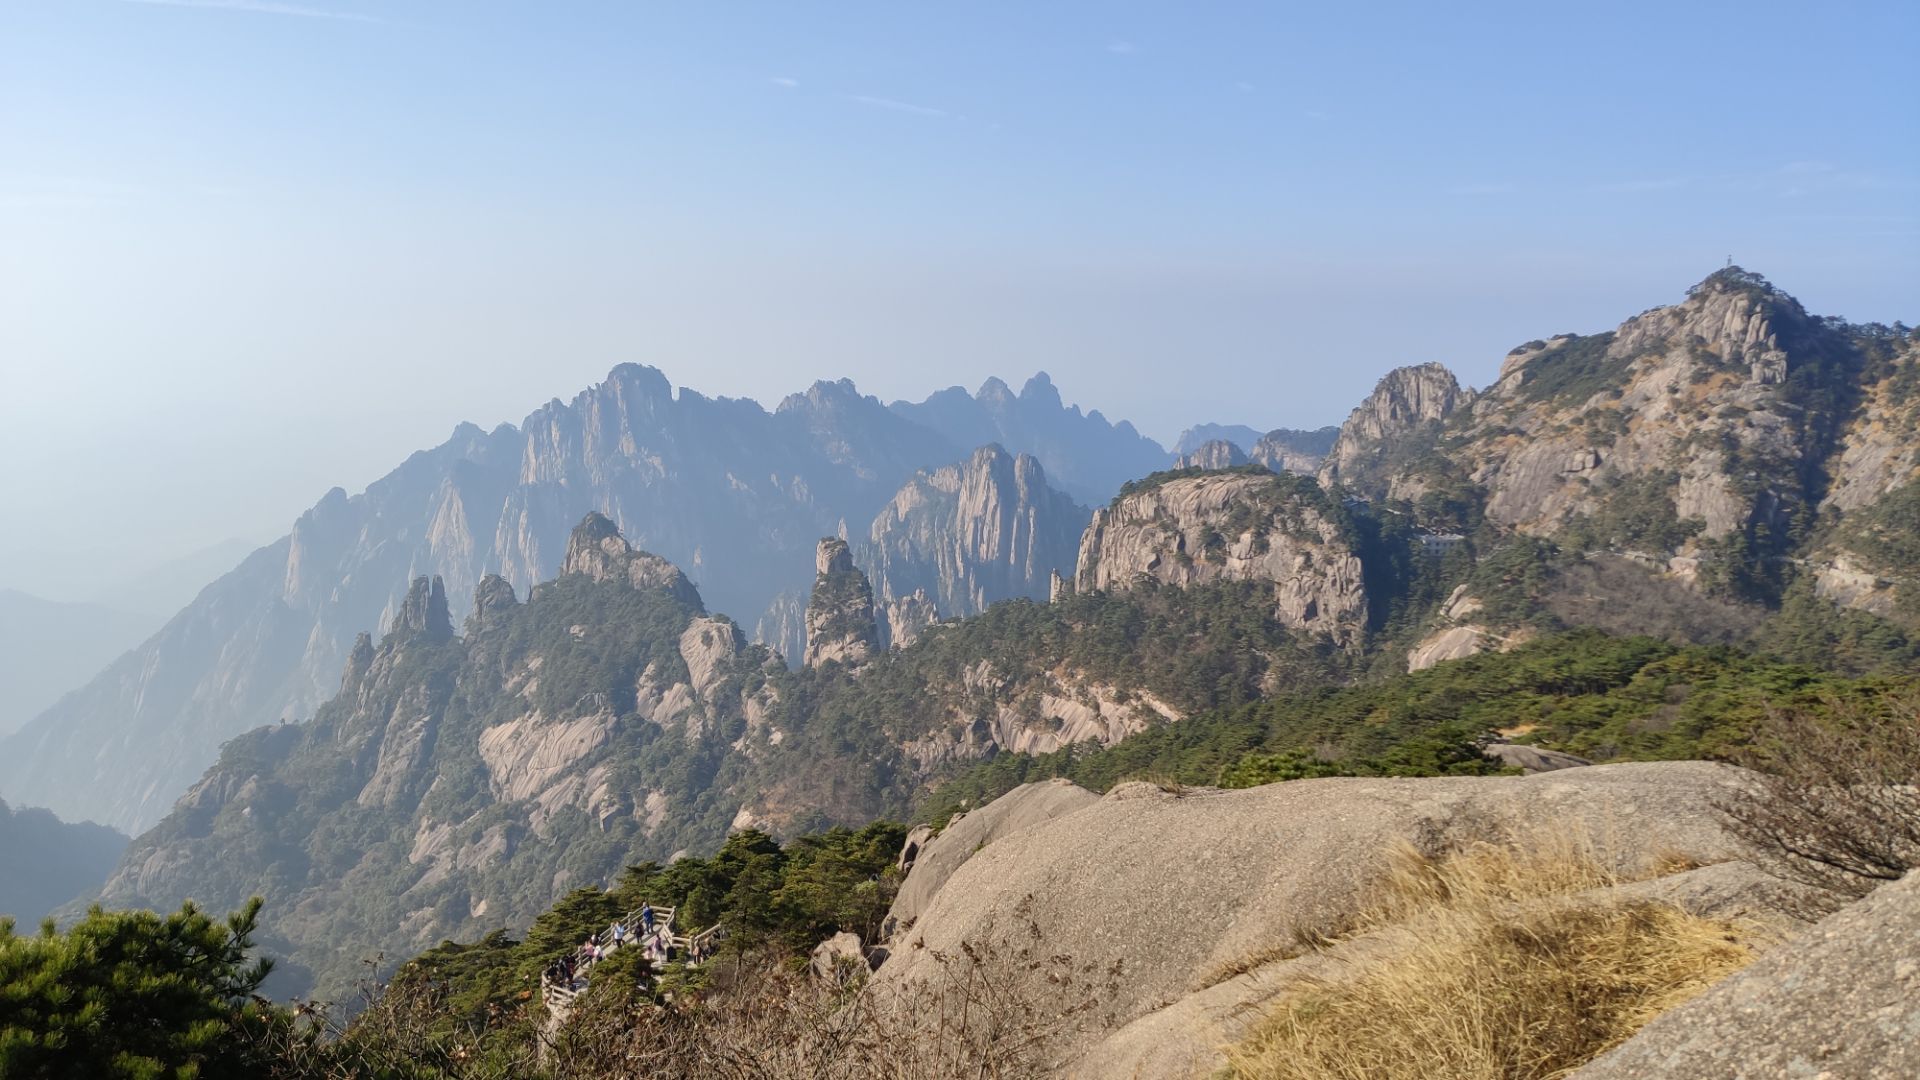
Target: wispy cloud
[
  {"x": 1243, "y": 86},
  {"x": 896, "y": 106},
  {"x": 1483, "y": 189},
  {"x": 1657, "y": 183},
  {"x": 261, "y": 7},
  {"x": 784, "y": 83},
  {"x": 1122, "y": 48}
]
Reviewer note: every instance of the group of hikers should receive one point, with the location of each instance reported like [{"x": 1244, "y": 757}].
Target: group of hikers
[{"x": 655, "y": 937}]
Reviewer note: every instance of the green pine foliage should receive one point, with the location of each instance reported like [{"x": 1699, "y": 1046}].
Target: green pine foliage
[
  {"x": 131, "y": 995},
  {"x": 1584, "y": 692}
]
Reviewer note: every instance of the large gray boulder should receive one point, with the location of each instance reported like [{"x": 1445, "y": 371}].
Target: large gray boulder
[
  {"x": 1840, "y": 1001},
  {"x": 1183, "y": 891},
  {"x": 967, "y": 834}
]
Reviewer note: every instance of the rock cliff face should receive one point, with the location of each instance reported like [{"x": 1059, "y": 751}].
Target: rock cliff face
[
  {"x": 840, "y": 620},
  {"x": 556, "y": 738},
  {"x": 1259, "y": 527},
  {"x": 967, "y": 535},
  {"x": 1087, "y": 456},
  {"x": 724, "y": 489},
  {"x": 1287, "y": 450},
  {"x": 1691, "y": 398},
  {"x": 1411, "y": 402},
  {"x": 1216, "y": 454},
  {"x": 1731, "y": 442}
]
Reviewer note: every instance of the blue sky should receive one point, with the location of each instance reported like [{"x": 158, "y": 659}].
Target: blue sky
[{"x": 255, "y": 249}]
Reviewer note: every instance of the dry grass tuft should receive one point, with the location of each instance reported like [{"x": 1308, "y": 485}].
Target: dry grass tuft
[{"x": 1508, "y": 967}]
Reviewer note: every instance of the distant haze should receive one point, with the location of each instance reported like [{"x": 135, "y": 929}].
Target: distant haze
[{"x": 257, "y": 250}]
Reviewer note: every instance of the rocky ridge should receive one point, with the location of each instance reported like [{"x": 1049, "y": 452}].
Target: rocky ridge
[
  {"x": 607, "y": 715},
  {"x": 1282, "y": 531}
]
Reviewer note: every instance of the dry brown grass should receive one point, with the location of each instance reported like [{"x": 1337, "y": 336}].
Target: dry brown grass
[{"x": 1509, "y": 961}]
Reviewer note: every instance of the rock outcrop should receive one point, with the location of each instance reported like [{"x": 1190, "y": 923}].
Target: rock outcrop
[
  {"x": 511, "y": 758},
  {"x": 597, "y": 550},
  {"x": 968, "y": 535},
  {"x": 1217, "y": 454},
  {"x": 902, "y": 618},
  {"x": 1840, "y": 1000},
  {"x": 840, "y": 620},
  {"x": 1408, "y": 403},
  {"x": 1288, "y": 450},
  {"x": 1239, "y": 873},
  {"x": 936, "y": 859},
  {"x": 1278, "y": 530}
]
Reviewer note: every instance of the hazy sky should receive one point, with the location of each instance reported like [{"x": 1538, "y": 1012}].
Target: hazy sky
[{"x": 253, "y": 249}]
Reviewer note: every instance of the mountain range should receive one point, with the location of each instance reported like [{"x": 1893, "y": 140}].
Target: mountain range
[
  {"x": 1728, "y": 469},
  {"x": 733, "y": 493}
]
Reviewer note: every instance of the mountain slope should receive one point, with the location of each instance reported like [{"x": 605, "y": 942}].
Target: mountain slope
[
  {"x": 48, "y": 647},
  {"x": 733, "y": 493},
  {"x": 49, "y": 861},
  {"x": 461, "y": 782},
  {"x": 460, "y": 779},
  {"x": 1715, "y": 469}
]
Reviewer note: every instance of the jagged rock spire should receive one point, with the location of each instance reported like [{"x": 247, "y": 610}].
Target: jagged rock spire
[
  {"x": 1406, "y": 401},
  {"x": 424, "y": 611},
  {"x": 840, "y": 620},
  {"x": 491, "y": 597},
  {"x": 359, "y": 661},
  {"x": 597, "y": 550}
]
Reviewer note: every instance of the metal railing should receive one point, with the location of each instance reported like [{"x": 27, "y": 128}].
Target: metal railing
[{"x": 560, "y": 997}]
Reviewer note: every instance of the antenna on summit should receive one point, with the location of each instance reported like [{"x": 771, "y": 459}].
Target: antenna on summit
[{"x": 1729, "y": 262}]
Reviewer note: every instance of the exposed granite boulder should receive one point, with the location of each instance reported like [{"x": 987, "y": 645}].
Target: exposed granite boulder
[
  {"x": 1532, "y": 759},
  {"x": 1452, "y": 643},
  {"x": 709, "y": 645},
  {"x": 937, "y": 857},
  {"x": 491, "y": 598},
  {"x": 1194, "y": 530},
  {"x": 1840, "y": 1001},
  {"x": 1239, "y": 872},
  {"x": 840, "y": 621},
  {"x": 838, "y": 960}
]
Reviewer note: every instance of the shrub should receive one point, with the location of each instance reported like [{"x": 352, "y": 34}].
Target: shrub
[{"x": 1832, "y": 803}]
